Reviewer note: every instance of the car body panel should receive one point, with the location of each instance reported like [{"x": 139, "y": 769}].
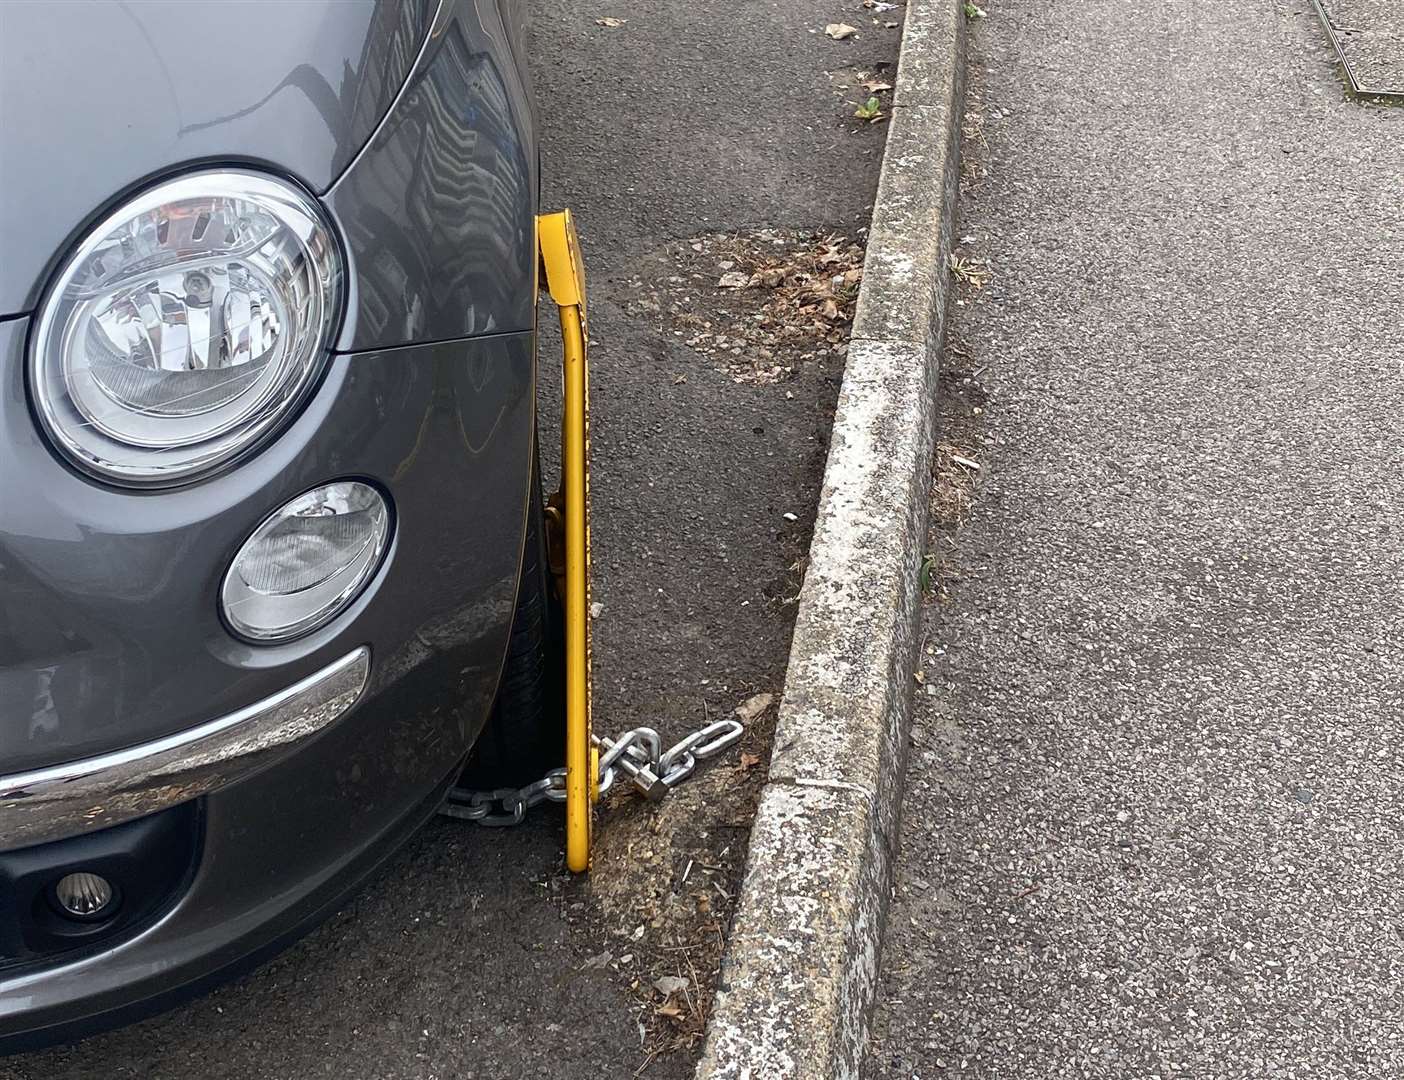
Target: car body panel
[
  {"x": 97, "y": 98},
  {"x": 439, "y": 209},
  {"x": 109, "y": 630},
  {"x": 454, "y": 440},
  {"x": 411, "y": 122}
]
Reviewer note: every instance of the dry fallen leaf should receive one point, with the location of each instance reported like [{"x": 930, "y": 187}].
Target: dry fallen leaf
[
  {"x": 873, "y": 86},
  {"x": 749, "y": 761},
  {"x": 752, "y": 707},
  {"x": 668, "y": 985},
  {"x": 609, "y": 21},
  {"x": 838, "y": 31},
  {"x": 782, "y": 296}
]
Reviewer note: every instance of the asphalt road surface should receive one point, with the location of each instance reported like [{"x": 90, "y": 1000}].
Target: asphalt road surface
[
  {"x": 472, "y": 955},
  {"x": 1153, "y": 826}
]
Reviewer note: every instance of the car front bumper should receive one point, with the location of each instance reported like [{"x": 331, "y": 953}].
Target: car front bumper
[
  {"x": 121, "y": 692},
  {"x": 80, "y": 796},
  {"x": 277, "y": 851}
]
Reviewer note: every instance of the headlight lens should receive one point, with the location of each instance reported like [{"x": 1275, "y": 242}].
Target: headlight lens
[
  {"x": 306, "y": 562},
  {"x": 186, "y": 326}
]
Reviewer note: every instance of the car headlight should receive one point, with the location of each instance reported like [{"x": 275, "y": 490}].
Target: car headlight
[{"x": 186, "y": 326}]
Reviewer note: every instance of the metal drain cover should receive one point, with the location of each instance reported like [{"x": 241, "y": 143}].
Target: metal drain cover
[{"x": 1369, "y": 40}]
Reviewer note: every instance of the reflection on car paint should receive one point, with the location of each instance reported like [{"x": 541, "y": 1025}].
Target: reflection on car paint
[{"x": 439, "y": 212}]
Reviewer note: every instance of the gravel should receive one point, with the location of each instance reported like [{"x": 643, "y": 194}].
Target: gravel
[{"x": 1153, "y": 820}]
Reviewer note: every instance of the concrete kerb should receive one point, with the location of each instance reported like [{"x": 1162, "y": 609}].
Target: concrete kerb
[{"x": 800, "y": 970}]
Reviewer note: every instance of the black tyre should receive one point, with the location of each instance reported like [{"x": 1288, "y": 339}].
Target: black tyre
[{"x": 525, "y": 735}]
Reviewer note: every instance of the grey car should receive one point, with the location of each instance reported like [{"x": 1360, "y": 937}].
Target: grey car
[{"x": 271, "y": 543}]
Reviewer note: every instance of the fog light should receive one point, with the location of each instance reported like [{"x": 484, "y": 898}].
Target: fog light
[
  {"x": 84, "y": 895},
  {"x": 306, "y": 562}
]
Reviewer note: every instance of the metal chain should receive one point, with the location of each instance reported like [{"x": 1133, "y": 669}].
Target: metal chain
[{"x": 638, "y": 754}]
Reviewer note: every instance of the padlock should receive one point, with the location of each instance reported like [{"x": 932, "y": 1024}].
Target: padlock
[{"x": 634, "y": 761}]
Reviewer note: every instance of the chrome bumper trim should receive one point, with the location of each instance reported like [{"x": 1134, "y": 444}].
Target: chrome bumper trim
[{"x": 65, "y": 800}]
